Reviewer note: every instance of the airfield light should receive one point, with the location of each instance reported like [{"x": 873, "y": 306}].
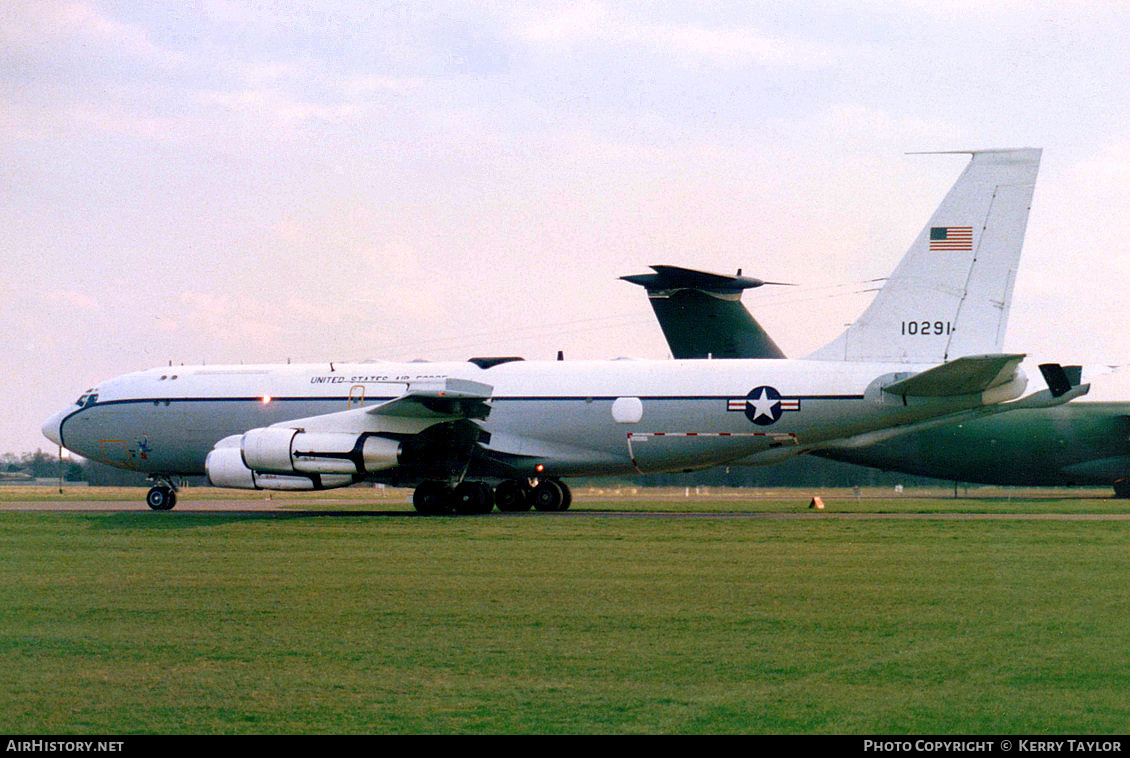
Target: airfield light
[
  {"x": 266, "y": 399},
  {"x": 540, "y": 467}
]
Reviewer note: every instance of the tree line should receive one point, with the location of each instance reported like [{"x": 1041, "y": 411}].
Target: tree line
[{"x": 39, "y": 465}]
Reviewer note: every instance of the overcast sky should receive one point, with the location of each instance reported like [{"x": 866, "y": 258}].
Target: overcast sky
[{"x": 251, "y": 182}]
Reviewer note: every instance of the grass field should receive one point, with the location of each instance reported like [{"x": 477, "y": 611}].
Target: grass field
[
  {"x": 625, "y": 498},
  {"x": 307, "y": 623}
]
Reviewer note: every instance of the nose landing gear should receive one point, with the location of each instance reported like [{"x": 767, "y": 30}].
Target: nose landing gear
[{"x": 163, "y": 495}]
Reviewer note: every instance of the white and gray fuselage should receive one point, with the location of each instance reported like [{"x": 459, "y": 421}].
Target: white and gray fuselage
[{"x": 563, "y": 418}]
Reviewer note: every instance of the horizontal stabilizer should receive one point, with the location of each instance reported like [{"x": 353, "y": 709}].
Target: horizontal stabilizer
[
  {"x": 964, "y": 376},
  {"x": 1061, "y": 379},
  {"x": 667, "y": 278},
  {"x": 1040, "y": 399}
]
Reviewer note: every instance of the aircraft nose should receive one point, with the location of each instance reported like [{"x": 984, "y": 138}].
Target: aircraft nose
[{"x": 52, "y": 427}]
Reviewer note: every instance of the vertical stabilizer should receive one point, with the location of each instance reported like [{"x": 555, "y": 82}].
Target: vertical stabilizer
[
  {"x": 701, "y": 313},
  {"x": 951, "y": 292}
]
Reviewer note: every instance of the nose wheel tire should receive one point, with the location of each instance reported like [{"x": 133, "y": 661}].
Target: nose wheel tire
[{"x": 161, "y": 498}]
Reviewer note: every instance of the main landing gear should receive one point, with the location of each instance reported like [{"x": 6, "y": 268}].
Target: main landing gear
[
  {"x": 163, "y": 495},
  {"x": 511, "y": 496},
  {"x": 1122, "y": 488}
]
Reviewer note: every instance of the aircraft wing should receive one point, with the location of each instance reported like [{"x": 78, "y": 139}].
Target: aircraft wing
[
  {"x": 439, "y": 398},
  {"x": 422, "y": 404}
]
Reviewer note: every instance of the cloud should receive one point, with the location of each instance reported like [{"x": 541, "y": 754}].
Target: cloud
[
  {"x": 277, "y": 106},
  {"x": 580, "y": 20},
  {"x": 856, "y": 121},
  {"x": 31, "y": 27},
  {"x": 721, "y": 46},
  {"x": 228, "y": 321},
  {"x": 78, "y": 300},
  {"x": 730, "y": 47}
]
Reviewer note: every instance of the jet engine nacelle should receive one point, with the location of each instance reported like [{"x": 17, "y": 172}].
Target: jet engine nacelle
[
  {"x": 279, "y": 450},
  {"x": 225, "y": 468}
]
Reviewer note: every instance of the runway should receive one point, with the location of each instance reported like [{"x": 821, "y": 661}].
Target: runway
[{"x": 319, "y": 509}]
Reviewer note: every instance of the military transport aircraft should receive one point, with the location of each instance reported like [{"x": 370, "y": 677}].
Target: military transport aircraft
[
  {"x": 505, "y": 431},
  {"x": 1082, "y": 442}
]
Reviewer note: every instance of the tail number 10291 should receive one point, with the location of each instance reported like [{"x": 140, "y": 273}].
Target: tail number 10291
[{"x": 919, "y": 328}]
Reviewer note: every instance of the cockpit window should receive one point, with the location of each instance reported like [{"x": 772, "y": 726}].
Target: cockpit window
[{"x": 88, "y": 398}]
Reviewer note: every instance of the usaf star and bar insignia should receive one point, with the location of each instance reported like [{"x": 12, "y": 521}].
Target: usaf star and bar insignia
[{"x": 763, "y": 405}]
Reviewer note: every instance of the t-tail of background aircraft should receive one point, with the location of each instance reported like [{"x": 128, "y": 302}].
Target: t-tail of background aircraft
[{"x": 701, "y": 313}]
